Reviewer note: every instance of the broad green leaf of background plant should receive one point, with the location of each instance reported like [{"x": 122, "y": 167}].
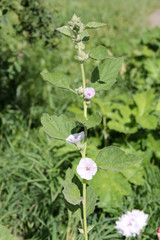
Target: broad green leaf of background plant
[
  {"x": 114, "y": 159},
  {"x": 104, "y": 76},
  {"x": 65, "y": 30},
  {"x": 95, "y": 25},
  {"x": 110, "y": 187},
  {"x": 144, "y": 115},
  {"x": 92, "y": 121},
  {"x": 72, "y": 193},
  {"x": 121, "y": 120},
  {"x": 134, "y": 174},
  {"x": 99, "y": 53},
  {"x": 90, "y": 200},
  {"x": 57, "y": 127},
  {"x": 5, "y": 234},
  {"x": 58, "y": 79}
]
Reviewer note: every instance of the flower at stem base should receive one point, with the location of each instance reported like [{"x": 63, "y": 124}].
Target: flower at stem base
[
  {"x": 131, "y": 223},
  {"x": 75, "y": 138},
  {"x": 86, "y": 168}
]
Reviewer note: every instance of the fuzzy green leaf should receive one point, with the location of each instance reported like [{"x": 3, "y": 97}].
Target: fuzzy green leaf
[
  {"x": 58, "y": 79},
  {"x": 85, "y": 36},
  {"x": 110, "y": 187},
  {"x": 72, "y": 194},
  {"x": 99, "y": 53},
  {"x": 92, "y": 121},
  {"x": 57, "y": 127},
  {"x": 113, "y": 158},
  {"x": 64, "y": 30},
  {"x": 95, "y": 25},
  {"x": 90, "y": 200},
  {"x": 104, "y": 76}
]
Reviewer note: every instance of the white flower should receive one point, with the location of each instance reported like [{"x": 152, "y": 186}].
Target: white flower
[
  {"x": 86, "y": 168},
  {"x": 89, "y": 93},
  {"x": 75, "y": 138},
  {"x": 131, "y": 223}
]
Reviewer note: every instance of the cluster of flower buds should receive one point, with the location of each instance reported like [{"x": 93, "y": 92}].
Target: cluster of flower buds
[
  {"x": 77, "y": 27},
  {"x": 82, "y": 56}
]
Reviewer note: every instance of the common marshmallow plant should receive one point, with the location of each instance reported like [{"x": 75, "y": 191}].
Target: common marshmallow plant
[{"x": 80, "y": 197}]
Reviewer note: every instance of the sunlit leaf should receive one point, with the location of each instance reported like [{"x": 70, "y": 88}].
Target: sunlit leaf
[
  {"x": 57, "y": 127},
  {"x": 95, "y": 25},
  {"x": 92, "y": 121},
  {"x": 104, "y": 76},
  {"x": 113, "y": 158}
]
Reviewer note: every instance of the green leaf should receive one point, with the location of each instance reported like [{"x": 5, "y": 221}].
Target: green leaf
[
  {"x": 65, "y": 30},
  {"x": 99, "y": 53},
  {"x": 85, "y": 36},
  {"x": 57, "y": 127},
  {"x": 90, "y": 200},
  {"x": 113, "y": 158},
  {"x": 92, "y": 121},
  {"x": 5, "y": 234},
  {"x": 134, "y": 174},
  {"x": 104, "y": 76},
  {"x": 72, "y": 194},
  {"x": 58, "y": 79},
  {"x": 144, "y": 114},
  {"x": 110, "y": 187},
  {"x": 95, "y": 25}
]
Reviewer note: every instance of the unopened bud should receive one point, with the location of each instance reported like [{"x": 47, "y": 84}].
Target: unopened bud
[{"x": 79, "y": 90}]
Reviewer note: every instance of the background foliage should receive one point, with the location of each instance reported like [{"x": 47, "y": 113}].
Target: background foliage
[{"x": 32, "y": 166}]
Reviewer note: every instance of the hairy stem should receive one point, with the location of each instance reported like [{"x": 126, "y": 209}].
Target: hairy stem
[{"x": 84, "y": 155}]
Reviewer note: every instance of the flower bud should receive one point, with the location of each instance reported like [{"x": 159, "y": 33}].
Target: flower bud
[
  {"x": 75, "y": 138},
  {"x": 79, "y": 90}
]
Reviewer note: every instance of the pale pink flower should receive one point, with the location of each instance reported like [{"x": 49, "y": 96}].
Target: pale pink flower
[
  {"x": 89, "y": 93},
  {"x": 75, "y": 138},
  {"x": 131, "y": 223},
  {"x": 86, "y": 168}
]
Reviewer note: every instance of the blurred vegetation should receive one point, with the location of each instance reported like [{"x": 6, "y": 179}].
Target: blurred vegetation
[{"x": 32, "y": 166}]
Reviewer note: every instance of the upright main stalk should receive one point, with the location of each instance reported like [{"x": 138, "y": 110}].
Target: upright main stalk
[{"x": 84, "y": 155}]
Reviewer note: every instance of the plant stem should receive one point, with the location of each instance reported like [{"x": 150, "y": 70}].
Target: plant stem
[{"x": 84, "y": 155}]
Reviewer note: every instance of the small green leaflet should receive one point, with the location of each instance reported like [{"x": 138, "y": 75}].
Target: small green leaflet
[
  {"x": 90, "y": 200},
  {"x": 99, "y": 53},
  {"x": 72, "y": 193},
  {"x": 57, "y": 127},
  {"x": 92, "y": 121},
  {"x": 113, "y": 158},
  {"x": 95, "y": 25},
  {"x": 64, "y": 30},
  {"x": 104, "y": 76}
]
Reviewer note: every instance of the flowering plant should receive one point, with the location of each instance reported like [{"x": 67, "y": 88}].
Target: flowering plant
[{"x": 79, "y": 195}]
